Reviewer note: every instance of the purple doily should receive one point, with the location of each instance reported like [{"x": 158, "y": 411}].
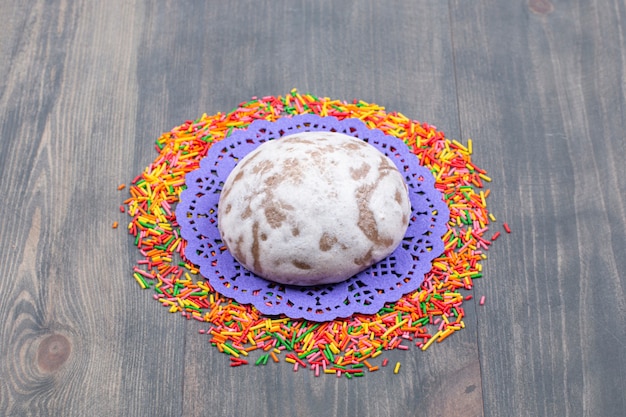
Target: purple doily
[{"x": 386, "y": 281}]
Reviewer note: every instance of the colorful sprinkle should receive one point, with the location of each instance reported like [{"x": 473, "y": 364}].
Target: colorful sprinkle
[
  {"x": 397, "y": 368},
  {"x": 343, "y": 347}
]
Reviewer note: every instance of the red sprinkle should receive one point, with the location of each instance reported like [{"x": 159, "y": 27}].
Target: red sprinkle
[
  {"x": 506, "y": 227},
  {"x": 237, "y": 362}
]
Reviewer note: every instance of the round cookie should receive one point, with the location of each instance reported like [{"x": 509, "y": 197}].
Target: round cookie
[{"x": 313, "y": 208}]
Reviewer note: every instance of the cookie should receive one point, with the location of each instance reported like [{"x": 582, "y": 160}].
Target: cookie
[{"x": 313, "y": 208}]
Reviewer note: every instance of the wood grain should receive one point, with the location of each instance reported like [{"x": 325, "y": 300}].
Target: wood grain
[
  {"x": 549, "y": 90},
  {"x": 86, "y": 87}
]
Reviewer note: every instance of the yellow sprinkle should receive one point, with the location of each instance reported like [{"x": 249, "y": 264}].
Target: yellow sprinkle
[
  {"x": 141, "y": 284},
  {"x": 459, "y": 144},
  {"x": 431, "y": 340},
  {"x": 483, "y": 176},
  {"x": 165, "y": 226},
  {"x": 191, "y": 303},
  {"x": 482, "y": 199},
  {"x": 451, "y": 243},
  {"x": 397, "y": 368},
  {"x": 175, "y": 245},
  {"x": 492, "y": 217},
  {"x": 229, "y": 350},
  {"x": 257, "y": 327},
  {"x": 230, "y": 333},
  {"x": 308, "y": 338},
  {"x": 445, "y": 334},
  {"x": 439, "y": 174},
  {"x": 367, "y": 351},
  {"x": 439, "y": 265},
  {"x": 394, "y": 327},
  {"x": 189, "y": 155}
]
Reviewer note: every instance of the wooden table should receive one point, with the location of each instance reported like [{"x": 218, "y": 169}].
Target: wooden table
[{"x": 87, "y": 86}]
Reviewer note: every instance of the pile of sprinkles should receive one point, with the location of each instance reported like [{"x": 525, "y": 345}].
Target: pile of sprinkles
[{"x": 343, "y": 347}]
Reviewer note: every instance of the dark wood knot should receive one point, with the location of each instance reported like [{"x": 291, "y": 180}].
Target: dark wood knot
[
  {"x": 540, "y": 6},
  {"x": 53, "y": 352}
]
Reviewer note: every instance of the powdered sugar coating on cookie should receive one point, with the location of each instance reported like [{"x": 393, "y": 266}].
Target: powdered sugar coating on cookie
[{"x": 313, "y": 208}]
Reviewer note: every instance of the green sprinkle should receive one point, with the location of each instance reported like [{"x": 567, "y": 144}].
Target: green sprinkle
[
  {"x": 305, "y": 354},
  {"x": 303, "y": 335}
]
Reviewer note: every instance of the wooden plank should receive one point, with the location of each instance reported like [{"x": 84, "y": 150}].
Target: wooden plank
[
  {"x": 77, "y": 336},
  {"x": 541, "y": 89}
]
